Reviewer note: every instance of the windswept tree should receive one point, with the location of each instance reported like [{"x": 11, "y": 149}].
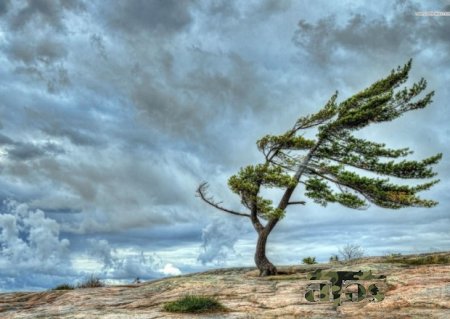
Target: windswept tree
[{"x": 335, "y": 166}]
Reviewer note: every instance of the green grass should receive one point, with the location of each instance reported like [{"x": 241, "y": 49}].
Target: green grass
[
  {"x": 194, "y": 304},
  {"x": 425, "y": 260},
  {"x": 64, "y": 287}
]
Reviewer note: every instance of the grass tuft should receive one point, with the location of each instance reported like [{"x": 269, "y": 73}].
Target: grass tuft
[
  {"x": 64, "y": 287},
  {"x": 194, "y": 304}
]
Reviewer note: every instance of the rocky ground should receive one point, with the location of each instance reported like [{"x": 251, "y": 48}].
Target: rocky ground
[{"x": 411, "y": 291}]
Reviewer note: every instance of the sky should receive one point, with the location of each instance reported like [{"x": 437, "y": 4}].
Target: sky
[{"x": 113, "y": 112}]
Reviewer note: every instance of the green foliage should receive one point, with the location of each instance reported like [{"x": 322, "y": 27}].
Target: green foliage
[
  {"x": 335, "y": 166},
  {"x": 64, "y": 287},
  {"x": 309, "y": 260},
  {"x": 379, "y": 102},
  {"x": 321, "y": 193},
  {"x": 385, "y": 194},
  {"x": 327, "y": 169},
  {"x": 334, "y": 258},
  {"x": 286, "y": 141},
  {"x": 250, "y": 178},
  {"x": 248, "y": 182},
  {"x": 416, "y": 261},
  {"x": 326, "y": 113},
  {"x": 194, "y": 304},
  {"x": 91, "y": 282}
]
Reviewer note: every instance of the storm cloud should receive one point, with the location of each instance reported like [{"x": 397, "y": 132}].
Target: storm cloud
[{"x": 112, "y": 113}]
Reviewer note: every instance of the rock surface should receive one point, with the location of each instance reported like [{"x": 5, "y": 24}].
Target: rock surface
[{"x": 410, "y": 292}]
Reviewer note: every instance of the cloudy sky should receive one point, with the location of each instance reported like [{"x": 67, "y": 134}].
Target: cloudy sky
[{"x": 113, "y": 112}]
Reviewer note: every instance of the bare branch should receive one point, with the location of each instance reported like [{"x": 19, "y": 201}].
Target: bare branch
[
  {"x": 283, "y": 166},
  {"x": 202, "y": 193},
  {"x": 297, "y": 203}
]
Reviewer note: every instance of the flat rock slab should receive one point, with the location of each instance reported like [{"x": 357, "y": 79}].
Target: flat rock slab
[{"x": 410, "y": 292}]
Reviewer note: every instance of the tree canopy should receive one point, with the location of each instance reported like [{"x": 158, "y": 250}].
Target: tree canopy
[
  {"x": 336, "y": 166},
  {"x": 330, "y": 157}
]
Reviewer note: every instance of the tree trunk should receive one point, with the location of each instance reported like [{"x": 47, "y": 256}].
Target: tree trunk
[{"x": 266, "y": 268}]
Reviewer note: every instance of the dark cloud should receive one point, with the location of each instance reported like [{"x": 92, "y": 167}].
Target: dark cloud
[
  {"x": 44, "y": 12},
  {"x": 268, "y": 7},
  {"x": 40, "y": 51},
  {"x": 5, "y": 140},
  {"x": 55, "y": 78},
  {"x": 158, "y": 191},
  {"x": 98, "y": 43},
  {"x": 222, "y": 8},
  {"x": 19, "y": 151},
  {"x": 41, "y": 59},
  {"x": 231, "y": 13},
  {"x": 113, "y": 114},
  {"x": 64, "y": 124},
  {"x": 373, "y": 37},
  {"x": 4, "y": 6},
  {"x": 25, "y": 152},
  {"x": 44, "y": 50},
  {"x": 214, "y": 87},
  {"x": 157, "y": 16},
  {"x": 167, "y": 236},
  {"x": 76, "y": 136}
]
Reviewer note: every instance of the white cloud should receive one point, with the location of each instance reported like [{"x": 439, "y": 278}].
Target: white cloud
[
  {"x": 129, "y": 263},
  {"x": 219, "y": 238},
  {"x": 30, "y": 244},
  {"x": 30, "y": 241},
  {"x": 170, "y": 270}
]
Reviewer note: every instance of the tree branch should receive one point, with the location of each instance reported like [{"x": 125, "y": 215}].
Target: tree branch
[
  {"x": 288, "y": 192},
  {"x": 201, "y": 192},
  {"x": 297, "y": 203},
  {"x": 338, "y": 184},
  {"x": 255, "y": 220}
]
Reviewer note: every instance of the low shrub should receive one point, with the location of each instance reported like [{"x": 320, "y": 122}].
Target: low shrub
[
  {"x": 309, "y": 260},
  {"x": 91, "y": 282},
  {"x": 64, "y": 287},
  {"x": 334, "y": 258},
  {"x": 351, "y": 252},
  {"x": 194, "y": 304}
]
